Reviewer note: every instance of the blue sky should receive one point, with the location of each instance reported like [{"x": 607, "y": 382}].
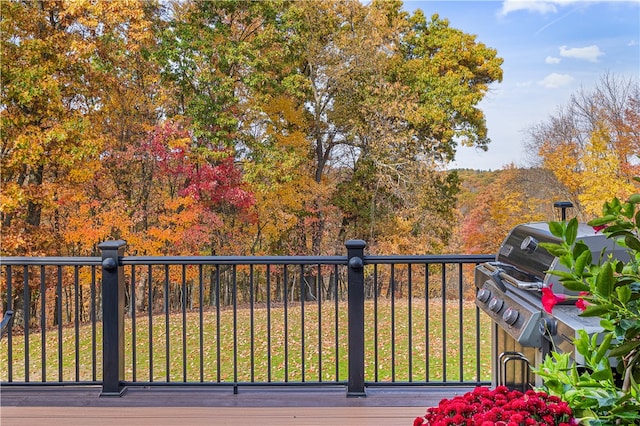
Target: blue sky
[{"x": 551, "y": 50}]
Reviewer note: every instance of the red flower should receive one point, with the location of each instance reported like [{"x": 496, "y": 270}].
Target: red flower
[
  {"x": 500, "y": 406},
  {"x": 550, "y": 299},
  {"x": 517, "y": 418},
  {"x": 581, "y": 304},
  {"x": 599, "y": 228}
]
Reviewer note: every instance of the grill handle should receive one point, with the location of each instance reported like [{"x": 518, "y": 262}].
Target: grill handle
[
  {"x": 496, "y": 277},
  {"x": 529, "y": 286},
  {"x": 523, "y": 285}
]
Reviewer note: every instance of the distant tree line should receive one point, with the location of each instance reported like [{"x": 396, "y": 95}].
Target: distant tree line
[{"x": 586, "y": 152}]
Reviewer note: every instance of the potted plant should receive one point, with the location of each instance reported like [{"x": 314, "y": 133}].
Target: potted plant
[
  {"x": 501, "y": 407},
  {"x": 610, "y": 289}
]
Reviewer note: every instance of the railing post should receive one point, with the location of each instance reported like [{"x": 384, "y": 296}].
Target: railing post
[
  {"x": 355, "y": 259},
  {"x": 112, "y": 318}
]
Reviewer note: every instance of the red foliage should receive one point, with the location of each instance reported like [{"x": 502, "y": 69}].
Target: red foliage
[
  {"x": 499, "y": 407},
  {"x": 214, "y": 183}
]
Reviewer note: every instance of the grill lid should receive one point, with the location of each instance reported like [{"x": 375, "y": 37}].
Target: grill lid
[{"x": 521, "y": 249}]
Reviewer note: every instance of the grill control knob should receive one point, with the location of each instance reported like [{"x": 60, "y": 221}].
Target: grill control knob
[
  {"x": 529, "y": 244},
  {"x": 510, "y": 316},
  {"x": 496, "y": 304},
  {"x": 484, "y": 295}
]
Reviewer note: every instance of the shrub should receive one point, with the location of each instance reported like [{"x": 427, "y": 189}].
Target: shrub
[
  {"x": 610, "y": 289},
  {"x": 501, "y": 407}
]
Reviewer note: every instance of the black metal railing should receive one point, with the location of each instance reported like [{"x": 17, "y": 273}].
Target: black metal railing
[{"x": 354, "y": 320}]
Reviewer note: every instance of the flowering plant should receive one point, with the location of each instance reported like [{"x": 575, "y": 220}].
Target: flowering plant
[
  {"x": 609, "y": 289},
  {"x": 501, "y": 407}
]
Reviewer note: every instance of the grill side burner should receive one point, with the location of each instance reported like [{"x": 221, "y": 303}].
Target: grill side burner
[{"x": 562, "y": 327}]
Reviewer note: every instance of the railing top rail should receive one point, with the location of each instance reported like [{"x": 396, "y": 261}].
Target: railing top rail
[
  {"x": 430, "y": 258},
  {"x": 50, "y": 261},
  {"x": 234, "y": 260},
  {"x": 247, "y": 260}
]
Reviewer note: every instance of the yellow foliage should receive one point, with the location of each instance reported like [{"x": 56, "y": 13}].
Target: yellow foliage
[
  {"x": 562, "y": 160},
  {"x": 602, "y": 178},
  {"x": 11, "y": 197}
]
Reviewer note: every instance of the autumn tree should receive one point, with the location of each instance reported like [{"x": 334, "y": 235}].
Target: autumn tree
[
  {"x": 592, "y": 144},
  {"x": 49, "y": 142},
  {"x": 389, "y": 96},
  {"x": 280, "y": 177},
  {"x": 119, "y": 38},
  {"x": 191, "y": 193},
  {"x": 79, "y": 76},
  {"x": 214, "y": 58}
]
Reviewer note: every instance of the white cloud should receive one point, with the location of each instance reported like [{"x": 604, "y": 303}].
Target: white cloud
[
  {"x": 537, "y": 6},
  {"x": 632, "y": 43},
  {"x": 552, "y": 60},
  {"x": 555, "y": 80},
  {"x": 589, "y": 53},
  {"x": 543, "y": 7}
]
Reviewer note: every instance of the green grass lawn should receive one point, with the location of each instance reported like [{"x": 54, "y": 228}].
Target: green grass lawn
[{"x": 262, "y": 349}]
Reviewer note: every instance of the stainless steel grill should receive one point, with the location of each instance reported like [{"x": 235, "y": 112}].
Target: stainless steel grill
[{"x": 509, "y": 290}]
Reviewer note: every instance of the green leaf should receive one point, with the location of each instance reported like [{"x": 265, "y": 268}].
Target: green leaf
[
  {"x": 579, "y": 247},
  {"x": 561, "y": 274},
  {"x": 574, "y": 285},
  {"x": 582, "y": 342},
  {"x": 574, "y": 374},
  {"x": 602, "y": 220},
  {"x": 624, "y": 348},
  {"x": 556, "y": 229},
  {"x": 554, "y": 249},
  {"x": 627, "y": 210},
  {"x": 572, "y": 231},
  {"x": 604, "y": 280},
  {"x": 566, "y": 260},
  {"x": 615, "y": 232},
  {"x": 624, "y": 294},
  {"x": 582, "y": 261},
  {"x": 596, "y": 310},
  {"x": 630, "y": 326},
  {"x": 632, "y": 242},
  {"x": 607, "y": 325},
  {"x": 604, "y": 347},
  {"x": 613, "y": 205},
  {"x": 602, "y": 374}
]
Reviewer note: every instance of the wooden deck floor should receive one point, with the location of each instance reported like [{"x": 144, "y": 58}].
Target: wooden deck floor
[{"x": 198, "y": 406}]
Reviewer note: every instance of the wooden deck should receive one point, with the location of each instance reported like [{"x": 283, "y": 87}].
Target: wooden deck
[{"x": 219, "y": 406}]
